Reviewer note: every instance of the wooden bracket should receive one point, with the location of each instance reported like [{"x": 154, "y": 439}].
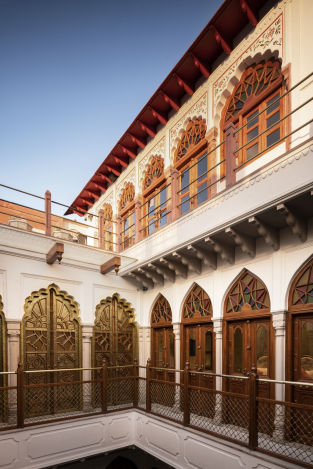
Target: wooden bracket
[
  {"x": 296, "y": 223},
  {"x": 268, "y": 233},
  {"x": 192, "y": 263},
  {"x": 111, "y": 264},
  {"x": 167, "y": 273},
  {"x": 246, "y": 243},
  {"x": 249, "y": 12},
  {"x": 55, "y": 253},
  {"x": 153, "y": 275},
  {"x": 177, "y": 267},
  {"x": 226, "y": 252},
  {"x": 143, "y": 280},
  {"x": 208, "y": 257}
]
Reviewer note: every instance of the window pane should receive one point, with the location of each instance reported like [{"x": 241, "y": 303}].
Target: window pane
[
  {"x": 208, "y": 351},
  {"x": 252, "y": 134},
  {"x": 202, "y": 193},
  {"x": 262, "y": 351},
  {"x": 163, "y": 196},
  {"x": 163, "y": 218},
  {"x": 202, "y": 168},
  {"x": 172, "y": 349},
  {"x": 273, "y": 119},
  {"x": 151, "y": 227},
  {"x": 192, "y": 348},
  {"x": 238, "y": 344},
  {"x": 252, "y": 119},
  {"x": 307, "y": 350},
  {"x": 126, "y": 225},
  {"x": 185, "y": 179},
  {"x": 273, "y": 137},
  {"x": 151, "y": 206},
  {"x": 185, "y": 206},
  {"x": 252, "y": 151},
  {"x": 160, "y": 348},
  {"x": 274, "y": 106}
]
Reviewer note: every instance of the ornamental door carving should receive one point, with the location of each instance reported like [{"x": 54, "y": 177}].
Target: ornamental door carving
[
  {"x": 3, "y": 366},
  {"x": 51, "y": 339},
  {"x": 114, "y": 340}
]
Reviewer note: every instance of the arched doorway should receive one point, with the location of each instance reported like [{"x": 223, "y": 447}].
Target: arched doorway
[
  {"x": 299, "y": 347},
  {"x": 115, "y": 340},
  {"x": 163, "y": 348},
  {"x": 51, "y": 339},
  {"x": 248, "y": 337},
  {"x": 198, "y": 348},
  {"x": 3, "y": 365}
]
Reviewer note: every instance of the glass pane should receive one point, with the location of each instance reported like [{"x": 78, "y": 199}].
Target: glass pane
[
  {"x": 202, "y": 193},
  {"x": 126, "y": 225},
  {"x": 262, "y": 351},
  {"x": 273, "y": 119},
  {"x": 273, "y": 137},
  {"x": 238, "y": 344},
  {"x": 202, "y": 168},
  {"x": 163, "y": 196},
  {"x": 185, "y": 206},
  {"x": 252, "y": 151},
  {"x": 252, "y": 119},
  {"x": 151, "y": 227},
  {"x": 274, "y": 106},
  {"x": 192, "y": 348},
  {"x": 160, "y": 358},
  {"x": 208, "y": 351},
  {"x": 151, "y": 206},
  {"x": 172, "y": 349},
  {"x": 252, "y": 134},
  {"x": 307, "y": 350},
  {"x": 185, "y": 180},
  {"x": 163, "y": 218}
]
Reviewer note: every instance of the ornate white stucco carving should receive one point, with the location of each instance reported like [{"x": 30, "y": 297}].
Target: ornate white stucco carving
[
  {"x": 198, "y": 110},
  {"x": 131, "y": 177},
  {"x": 269, "y": 39},
  {"x": 157, "y": 150}
]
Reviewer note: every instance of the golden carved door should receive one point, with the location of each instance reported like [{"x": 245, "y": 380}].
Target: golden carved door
[
  {"x": 51, "y": 339},
  {"x": 114, "y": 339}
]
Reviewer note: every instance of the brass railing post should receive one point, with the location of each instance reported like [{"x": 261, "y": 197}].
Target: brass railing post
[
  {"x": 186, "y": 394},
  {"x": 148, "y": 377},
  {"x": 253, "y": 410},
  {"x": 20, "y": 396},
  {"x": 230, "y": 155},
  {"x": 104, "y": 376},
  {"x": 136, "y": 383}
]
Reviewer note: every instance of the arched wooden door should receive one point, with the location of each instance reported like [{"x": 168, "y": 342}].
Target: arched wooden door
[
  {"x": 248, "y": 338},
  {"x": 51, "y": 339},
  {"x": 299, "y": 347},
  {"x": 198, "y": 349},
  {"x": 3, "y": 366},
  {"x": 115, "y": 340},
  {"x": 163, "y": 349}
]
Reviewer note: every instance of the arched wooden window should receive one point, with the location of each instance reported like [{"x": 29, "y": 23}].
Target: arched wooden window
[
  {"x": 115, "y": 340},
  {"x": 192, "y": 160},
  {"x": 108, "y": 226},
  {"x": 127, "y": 214},
  {"x": 197, "y": 306},
  {"x": 51, "y": 339},
  {"x": 255, "y": 104},
  {"x": 3, "y": 364},
  {"x": 248, "y": 334},
  {"x": 155, "y": 194},
  {"x": 299, "y": 347}
]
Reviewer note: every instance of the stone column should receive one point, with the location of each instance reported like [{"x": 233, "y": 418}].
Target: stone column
[
  {"x": 178, "y": 365},
  {"x": 86, "y": 362},
  {"x": 279, "y": 324},
  {"x": 218, "y": 329}
]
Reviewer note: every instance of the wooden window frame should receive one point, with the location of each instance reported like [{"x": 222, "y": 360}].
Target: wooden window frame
[
  {"x": 108, "y": 227},
  {"x": 252, "y": 104},
  {"x": 127, "y": 210}
]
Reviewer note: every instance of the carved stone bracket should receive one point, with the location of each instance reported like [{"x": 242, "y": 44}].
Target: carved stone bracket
[
  {"x": 192, "y": 263},
  {"x": 226, "y": 252},
  {"x": 177, "y": 267},
  {"x": 152, "y": 275},
  {"x": 268, "y": 233},
  {"x": 167, "y": 273},
  {"x": 246, "y": 243},
  {"x": 207, "y": 257},
  {"x": 296, "y": 223},
  {"x": 143, "y": 279},
  {"x": 279, "y": 322}
]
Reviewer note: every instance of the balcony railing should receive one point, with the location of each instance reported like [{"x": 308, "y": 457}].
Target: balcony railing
[{"x": 199, "y": 400}]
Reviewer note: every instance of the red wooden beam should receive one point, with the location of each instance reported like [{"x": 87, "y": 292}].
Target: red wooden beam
[
  {"x": 113, "y": 170},
  {"x": 81, "y": 212},
  {"x": 55, "y": 253},
  {"x": 120, "y": 161},
  {"x": 219, "y": 39},
  {"x": 105, "y": 177},
  {"x": 99, "y": 186},
  {"x": 170, "y": 101},
  {"x": 205, "y": 72},
  {"x": 184, "y": 85},
  {"x": 136, "y": 140},
  {"x": 92, "y": 194},
  {"x": 147, "y": 129},
  {"x": 86, "y": 201},
  {"x": 249, "y": 12},
  {"x": 128, "y": 152},
  {"x": 158, "y": 116},
  {"x": 113, "y": 263}
]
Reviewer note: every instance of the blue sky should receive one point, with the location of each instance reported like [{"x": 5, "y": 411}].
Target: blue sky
[{"x": 74, "y": 74}]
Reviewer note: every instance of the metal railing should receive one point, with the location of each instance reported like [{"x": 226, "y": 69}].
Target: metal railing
[{"x": 237, "y": 408}]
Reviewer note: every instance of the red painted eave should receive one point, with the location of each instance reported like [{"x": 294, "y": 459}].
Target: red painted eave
[{"x": 227, "y": 23}]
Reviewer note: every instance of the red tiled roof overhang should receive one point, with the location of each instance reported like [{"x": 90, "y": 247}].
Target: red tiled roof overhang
[{"x": 215, "y": 40}]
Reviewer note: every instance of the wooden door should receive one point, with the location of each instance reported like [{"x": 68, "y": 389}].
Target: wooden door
[
  {"x": 163, "y": 356},
  {"x": 249, "y": 343},
  {"x": 302, "y": 371},
  {"x": 199, "y": 352}
]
